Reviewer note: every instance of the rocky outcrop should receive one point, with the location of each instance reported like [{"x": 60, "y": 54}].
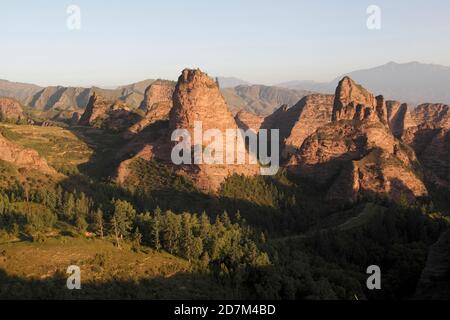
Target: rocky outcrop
[
  {"x": 157, "y": 104},
  {"x": 75, "y": 119},
  {"x": 356, "y": 155},
  {"x": 430, "y": 139},
  {"x": 432, "y": 114},
  {"x": 436, "y": 157},
  {"x": 158, "y": 92},
  {"x": 300, "y": 121},
  {"x": 353, "y": 102},
  {"x": 247, "y": 120},
  {"x": 424, "y": 123},
  {"x": 159, "y": 112},
  {"x": 102, "y": 113},
  {"x": 120, "y": 117},
  {"x": 309, "y": 114},
  {"x": 196, "y": 99},
  {"x": 11, "y": 109},
  {"x": 399, "y": 118},
  {"x": 434, "y": 282},
  {"x": 96, "y": 109},
  {"x": 23, "y": 158}
]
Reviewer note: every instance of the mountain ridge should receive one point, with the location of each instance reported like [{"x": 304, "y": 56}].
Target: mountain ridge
[{"x": 412, "y": 82}]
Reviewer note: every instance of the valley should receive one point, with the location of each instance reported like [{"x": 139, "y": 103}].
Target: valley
[{"x": 362, "y": 181}]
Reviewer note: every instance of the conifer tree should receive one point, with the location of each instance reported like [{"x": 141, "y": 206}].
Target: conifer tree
[
  {"x": 156, "y": 229},
  {"x": 99, "y": 223}
]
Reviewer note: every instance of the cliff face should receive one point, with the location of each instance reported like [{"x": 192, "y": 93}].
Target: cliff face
[
  {"x": 350, "y": 144},
  {"x": 157, "y": 104},
  {"x": 11, "y": 109},
  {"x": 301, "y": 121},
  {"x": 356, "y": 154},
  {"x": 23, "y": 158},
  {"x": 399, "y": 118},
  {"x": 159, "y": 91},
  {"x": 96, "y": 108},
  {"x": 246, "y": 120},
  {"x": 196, "y": 99},
  {"x": 430, "y": 139},
  {"x": 433, "y": 114}
]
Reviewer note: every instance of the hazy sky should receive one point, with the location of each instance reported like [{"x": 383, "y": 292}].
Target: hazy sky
[{"x": 256, "y": 40}]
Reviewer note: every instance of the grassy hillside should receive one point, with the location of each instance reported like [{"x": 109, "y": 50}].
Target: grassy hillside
[
  {"x": 38, "y": 270},
  {"x": 68, "y": 150}
]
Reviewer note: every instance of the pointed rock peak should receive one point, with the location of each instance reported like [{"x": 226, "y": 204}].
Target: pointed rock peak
[
  {"x": 350, "y": 90},
  {"x": 95, "y": 108},
  {"x": 196, "y": 76},
  {"x": 198, "y": 98},
  {"x": 156, "y": 85},
  {"x": 346, "y": 81},
  {"x": 96, "y": 96},
  {"x": 353, "y": 102}
]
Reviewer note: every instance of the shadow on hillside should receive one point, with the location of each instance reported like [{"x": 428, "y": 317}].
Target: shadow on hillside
[
  {"x": 176, "y": 287},
  {"x": 170, "y": 194},
  {"x": 104, "y": 145}
]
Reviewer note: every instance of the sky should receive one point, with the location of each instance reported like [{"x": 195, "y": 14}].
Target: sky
[{"x": 261, "y": 41}]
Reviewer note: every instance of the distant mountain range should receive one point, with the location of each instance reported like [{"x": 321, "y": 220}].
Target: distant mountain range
[
  {"x": 17, "y": 90},
  {"x": 70, "y": 98},
  {"x": 258, "y": 99},
  {"x": 414, "y": 82},
  {"x": 231, "y": 82},
  {"x": 261, "y": 100}
]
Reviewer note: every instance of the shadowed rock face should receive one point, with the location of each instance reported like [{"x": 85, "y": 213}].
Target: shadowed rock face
[
  {"x": 356, "y": 154},
  {"x": 75, "y": 119},
  {"x": 23, "y": 158},
  {"x": 96, "y": 108},
  {"x": 196, "y": 98},
  {"x": 102, "y": 113},
  {"x": 158, "y": 112},
  {"x": 300, "y": 121},
  {"x": 11, "y": 109},
  {"x": 399, "y": 118},
  {"x": 348, "y": 143},
  {"x": 157, "y": 103},
  {"x": 430, "y": 139}
]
